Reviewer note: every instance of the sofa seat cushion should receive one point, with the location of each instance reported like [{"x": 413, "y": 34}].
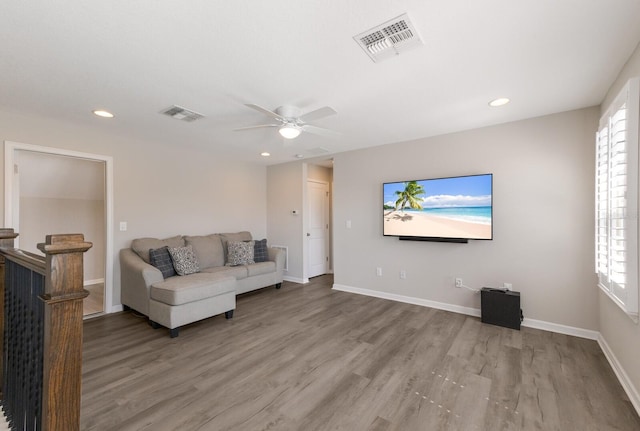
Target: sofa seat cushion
[
  {"x": 261, "y": 268},
  {"x": 192, "y": 287},
  {"x": 208, "y": 249},
  {"x": 238, "y": 272}
]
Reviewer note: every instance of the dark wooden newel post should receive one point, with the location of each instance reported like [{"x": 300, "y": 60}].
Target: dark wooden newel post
[{"x": 62, "y": 368}]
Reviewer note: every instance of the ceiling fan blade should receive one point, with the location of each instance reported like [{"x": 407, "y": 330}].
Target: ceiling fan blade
[
  {"x": 321, "y": 131},
  {"x": 317, "y": 114},
  {"x": 264, "y": 111},
  {"x": 257, "y": 127}
]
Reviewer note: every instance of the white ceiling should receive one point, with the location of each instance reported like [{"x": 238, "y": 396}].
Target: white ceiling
[{"x": 65, "y": 58}]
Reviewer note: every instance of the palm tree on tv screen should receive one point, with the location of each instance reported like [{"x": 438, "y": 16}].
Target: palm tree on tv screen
[{"x": 410, "y": 195}]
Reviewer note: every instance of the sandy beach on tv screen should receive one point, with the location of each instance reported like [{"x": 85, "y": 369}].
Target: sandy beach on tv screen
[{"x": 419, "y": 224}]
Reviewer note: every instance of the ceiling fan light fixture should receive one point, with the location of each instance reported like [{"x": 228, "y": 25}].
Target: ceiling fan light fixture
[{"x": 289, "y": 131}]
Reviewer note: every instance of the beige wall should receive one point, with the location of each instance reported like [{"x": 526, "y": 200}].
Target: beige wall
[
  {"x": 631, "y": 69},
  {"x": 42, "y": 216},
  {"x": 159, "y": 190},
  {"x": 319, "y": 173},
  {"x": 620, "y": 333},
  {"x": 543, "y": 218},
  {"x": 286, "y": 191},
  {"x": 285, "y": 194}
]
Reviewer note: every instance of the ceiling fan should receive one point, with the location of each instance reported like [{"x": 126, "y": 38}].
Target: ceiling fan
[{"x": 291, "y": 123}]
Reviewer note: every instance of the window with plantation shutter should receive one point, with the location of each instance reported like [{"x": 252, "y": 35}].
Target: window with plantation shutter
[{"x": 616, "y": 212}]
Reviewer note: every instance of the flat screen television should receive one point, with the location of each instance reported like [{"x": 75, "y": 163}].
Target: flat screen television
[{"x": 453, "y": 209}]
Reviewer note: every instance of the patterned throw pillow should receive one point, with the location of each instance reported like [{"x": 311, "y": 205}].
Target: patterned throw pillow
[
  {"x": 184, "y": 260},
  {"x": 260, "y": 253},
  {"x": 161, "y": 259},
  {"x": 240, "y": 253}
]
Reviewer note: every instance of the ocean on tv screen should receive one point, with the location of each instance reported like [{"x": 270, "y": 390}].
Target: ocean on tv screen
[{"x": 469, "y": 214}]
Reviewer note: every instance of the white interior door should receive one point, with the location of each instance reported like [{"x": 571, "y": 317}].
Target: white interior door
[{"x": 318, "y": 228}]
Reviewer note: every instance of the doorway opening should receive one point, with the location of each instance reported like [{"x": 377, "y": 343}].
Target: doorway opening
[
  {"x": 49, "y": 190},
  {"x": 318, "y": 204},
  {"x": 317, "y": 228}
]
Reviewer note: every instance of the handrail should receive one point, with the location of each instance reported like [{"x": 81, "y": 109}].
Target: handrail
[{"x": 29, "y": 260}]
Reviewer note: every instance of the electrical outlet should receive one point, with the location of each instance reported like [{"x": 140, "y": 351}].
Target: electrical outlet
[
  {"x": 507, "y": 286},
  {"x": 379, "y": 272},
  {"x": 458, "y": 282},
  {"x": 403, "y": 274}
]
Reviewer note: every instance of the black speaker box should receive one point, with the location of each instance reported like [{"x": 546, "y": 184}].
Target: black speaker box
[{"x": 501, "y": 307}]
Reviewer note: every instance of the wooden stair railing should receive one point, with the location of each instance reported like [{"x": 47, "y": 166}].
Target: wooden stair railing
[{"x": 41, "y": 332}]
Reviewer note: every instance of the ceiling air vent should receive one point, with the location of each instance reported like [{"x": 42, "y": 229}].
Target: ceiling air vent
[
  {"x": 180, "y": 113},
  {"x": 389, "y": 39}
]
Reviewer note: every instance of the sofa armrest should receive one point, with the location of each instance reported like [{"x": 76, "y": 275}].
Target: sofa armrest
[
  {"x": 277, "y": 255},
  {"x": 136, "y": 277}
]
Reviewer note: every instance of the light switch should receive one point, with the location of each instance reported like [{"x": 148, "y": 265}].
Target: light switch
[
  {"x": 348, "y": 224},
  {"x": 123, "y": 226}
]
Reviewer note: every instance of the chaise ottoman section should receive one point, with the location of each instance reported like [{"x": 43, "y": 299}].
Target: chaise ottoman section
[
  {"x": 178, "y": 301},
  {"x": 201, "y": 285}
]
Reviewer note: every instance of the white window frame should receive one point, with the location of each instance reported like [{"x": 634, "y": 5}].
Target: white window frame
[{"x": 616, "y": 199}]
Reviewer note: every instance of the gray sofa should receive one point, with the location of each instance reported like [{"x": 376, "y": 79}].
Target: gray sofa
[{"x": 183, "y": 299}]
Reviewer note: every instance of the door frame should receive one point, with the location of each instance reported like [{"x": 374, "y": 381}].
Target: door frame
[
  {"x": 11, "y": 206},
  {"x": 327, "y": 219}
]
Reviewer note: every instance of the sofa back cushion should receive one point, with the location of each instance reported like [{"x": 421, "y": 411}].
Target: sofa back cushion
[
  {"x": 141, "y": 246},
  {"x": 208, "y": 249}
]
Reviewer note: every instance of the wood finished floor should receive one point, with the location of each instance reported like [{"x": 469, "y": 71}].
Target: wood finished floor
[
  {"x": 94, "y": 303},
  {"x": 309, "y": 358}
]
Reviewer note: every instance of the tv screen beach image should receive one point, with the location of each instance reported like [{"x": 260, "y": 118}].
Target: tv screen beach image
[{"x": 457, "y": 207}]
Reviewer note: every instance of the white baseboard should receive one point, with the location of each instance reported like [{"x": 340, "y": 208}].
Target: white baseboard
[
  {"x": 561, "y": 329},
  {"x": 408, "y": 299},
  {"x": 92, "y": 282},
  {"x": 295, "y": 279},
  {"x": 530, "y": 323},
  {"x": 626, "y": 383},
  {"x": 116, "y": 308}
]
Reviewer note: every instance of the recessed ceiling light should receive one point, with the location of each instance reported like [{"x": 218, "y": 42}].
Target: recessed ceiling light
[
  {"x": 102, "y": 113},
  {"x": 499, "y": 102},
  {"x": 299, "y": 156},
  {"x": 265, "y": 154}
]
